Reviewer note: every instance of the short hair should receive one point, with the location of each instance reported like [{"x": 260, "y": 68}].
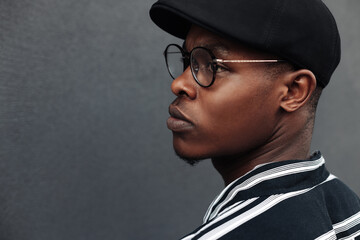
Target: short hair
[{"x": 273, "y": 70}]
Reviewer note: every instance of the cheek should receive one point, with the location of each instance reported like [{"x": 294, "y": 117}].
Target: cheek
[
  {"x": 237, "y": 119},
  {"x": 231, "y": 118}
]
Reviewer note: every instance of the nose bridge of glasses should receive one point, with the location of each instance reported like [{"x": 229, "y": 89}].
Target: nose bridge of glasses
[{"x": 186, "y": 62}]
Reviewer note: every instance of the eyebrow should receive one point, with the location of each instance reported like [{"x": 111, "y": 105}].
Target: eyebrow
[{"x": 216, "y": 48}]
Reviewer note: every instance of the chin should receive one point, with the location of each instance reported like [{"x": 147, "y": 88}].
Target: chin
[{"x": 190, "y": 157}]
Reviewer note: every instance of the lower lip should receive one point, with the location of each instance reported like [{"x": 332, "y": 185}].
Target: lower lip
[{"x": 175, "y": 124}]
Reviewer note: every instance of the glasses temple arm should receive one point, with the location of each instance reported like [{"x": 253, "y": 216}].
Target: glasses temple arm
[{"x": 248, "y": 61}]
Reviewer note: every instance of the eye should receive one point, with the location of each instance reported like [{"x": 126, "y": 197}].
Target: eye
[
  {"x": 219, "y": 68},
  {"x": 209, "y": 66}
]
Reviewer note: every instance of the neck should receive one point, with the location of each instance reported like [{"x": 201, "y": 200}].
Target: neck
[{"x": 287, "y": 143}]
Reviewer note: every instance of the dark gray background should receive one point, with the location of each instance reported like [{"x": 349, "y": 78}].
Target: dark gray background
[{"x": 84, "y": 148}]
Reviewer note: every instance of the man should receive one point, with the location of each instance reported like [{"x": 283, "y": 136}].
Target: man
[{"x": 247, "y": 79}]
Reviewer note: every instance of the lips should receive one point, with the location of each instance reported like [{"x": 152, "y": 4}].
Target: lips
[{"x": 177, "y": 121}]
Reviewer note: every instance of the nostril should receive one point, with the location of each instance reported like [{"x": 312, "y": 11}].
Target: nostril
[{"x": 182, "y": 92}]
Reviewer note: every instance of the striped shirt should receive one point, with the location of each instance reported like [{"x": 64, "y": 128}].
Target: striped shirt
[{"x": 283, "y": 200}]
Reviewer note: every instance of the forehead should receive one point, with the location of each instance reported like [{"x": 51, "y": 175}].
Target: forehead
[{"x": 198, "y": 36}]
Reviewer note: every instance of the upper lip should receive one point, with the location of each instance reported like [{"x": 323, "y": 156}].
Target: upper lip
[{"x": 176, "y": 113}]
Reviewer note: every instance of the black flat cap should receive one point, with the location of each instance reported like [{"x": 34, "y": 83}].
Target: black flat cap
[{"x": 304, "y": 32}]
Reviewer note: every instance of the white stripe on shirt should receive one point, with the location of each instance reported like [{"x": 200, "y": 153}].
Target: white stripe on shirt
[
  {"x": 352, "y": 236},
  {"x": 341, "y": 227},
  {"x": 224, "y": 215},
  {"x": 264, "y": 176},
  {"x": 248, "y": 215}
]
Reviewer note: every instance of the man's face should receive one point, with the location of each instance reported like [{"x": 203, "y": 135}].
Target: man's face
[{"x": 235, "y": 115}]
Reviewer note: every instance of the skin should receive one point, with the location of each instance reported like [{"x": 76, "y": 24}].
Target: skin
[{"x": 245, "y": 118}]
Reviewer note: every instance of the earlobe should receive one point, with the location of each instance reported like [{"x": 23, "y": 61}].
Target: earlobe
[{"x": 299, "y": 85}]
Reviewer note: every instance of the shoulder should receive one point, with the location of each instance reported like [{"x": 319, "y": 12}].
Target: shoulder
[{"x": 330, "y": 209}]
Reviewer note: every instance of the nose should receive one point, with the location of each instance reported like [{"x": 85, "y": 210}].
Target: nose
[{"x": 185, "y": 85}]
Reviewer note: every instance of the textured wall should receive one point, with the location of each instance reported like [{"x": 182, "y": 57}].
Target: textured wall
[{"x": 84, "y": 149}]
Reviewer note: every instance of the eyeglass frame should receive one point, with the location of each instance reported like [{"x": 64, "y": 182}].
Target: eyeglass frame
[{"x": 188, "y": 55}]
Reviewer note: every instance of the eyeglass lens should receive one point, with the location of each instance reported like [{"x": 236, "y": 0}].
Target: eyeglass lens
[
  {"x": 201, "y": 64},
  {"x": 175, "y": 61}
]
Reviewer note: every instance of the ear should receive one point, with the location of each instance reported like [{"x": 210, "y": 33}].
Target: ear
[{"x": 298, "y": 86}]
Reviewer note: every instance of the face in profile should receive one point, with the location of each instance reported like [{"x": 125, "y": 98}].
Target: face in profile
[{"x": 233, "y": 116}]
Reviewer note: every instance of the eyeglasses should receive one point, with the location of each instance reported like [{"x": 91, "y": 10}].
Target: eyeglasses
[{"x": 203, "y": 63}]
